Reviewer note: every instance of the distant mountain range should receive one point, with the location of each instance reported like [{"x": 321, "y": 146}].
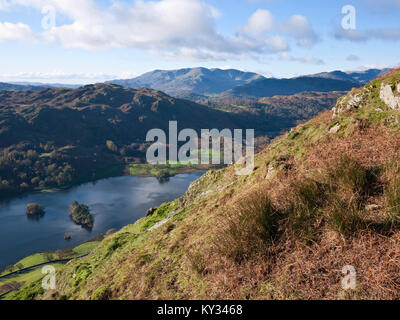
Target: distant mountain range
[
  {"x": 202, "y": 84},
  {"x": 272, "y": 87},
  {"x": 19, "y": 87},
  {"x": 361, "y": 77},
  {"x": 48, "y": 85},
  {"x": 191, "y": 80}
]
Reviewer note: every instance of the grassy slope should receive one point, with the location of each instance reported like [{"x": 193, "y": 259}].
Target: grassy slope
[{"x": 284, "y": 232}]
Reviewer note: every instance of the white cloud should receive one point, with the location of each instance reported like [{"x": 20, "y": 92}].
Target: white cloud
[
  {"x": 260, "y": 22},
  {"x": 352, "y": 35},
  {"x": 263, "y": 1},
  {"x": 384, "y": 34},
  {"x": 376, "y": 66},
  {"x": 172, "y": 28},
  {"x": 386, "y": 6},
  {"x": 307, "y": 59},
  {"x": 4, "y": 5},
  {"x": 387, "y": 34},
  {"x": 299, "y": 27},
  {"x": 312, "y": 60},
  {"x": 353, "y": 57},
  {"x": 160, "y": 25},
  {"x": 15, "y": 32},
  {"x": 277, "y": 44}
]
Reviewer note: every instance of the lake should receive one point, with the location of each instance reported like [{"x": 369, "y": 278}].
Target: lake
[{"x": 114, "y": 203}]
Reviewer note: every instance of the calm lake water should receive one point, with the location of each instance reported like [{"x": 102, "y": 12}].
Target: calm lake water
[{"x": 114, "y": 203}]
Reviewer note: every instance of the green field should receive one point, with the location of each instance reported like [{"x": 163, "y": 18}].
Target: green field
[
  {"x": 154, "y": 170},
  {"x": 86, "y": 247},
  {"x": 23, "y": 279},
  {"x": 172, "y": 168},
  {"x": 40, "y": 258},
  {"x": 26, "y": 278}
]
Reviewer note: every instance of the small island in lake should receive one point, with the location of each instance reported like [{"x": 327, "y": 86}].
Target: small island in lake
[
  {"x": 67, "y": 236},
  {"x": 81, "y": 215},
  {"x": 34, "y": 210},
  {"x": 163, "y": 175}
]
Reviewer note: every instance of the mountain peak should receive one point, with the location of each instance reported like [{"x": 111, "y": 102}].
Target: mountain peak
[{"x": 198, "y": 80}]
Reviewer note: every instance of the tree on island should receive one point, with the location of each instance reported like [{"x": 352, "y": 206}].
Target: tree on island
[
  {"x": 163, "y": 175},
  {"x": 81, "y": 215},
  {"x": 34, "y": 210}
]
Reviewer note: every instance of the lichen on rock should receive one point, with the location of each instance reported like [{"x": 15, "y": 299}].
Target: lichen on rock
[
  {"x": 389, "y": 97},
  {"x": 352, "y": 101}
]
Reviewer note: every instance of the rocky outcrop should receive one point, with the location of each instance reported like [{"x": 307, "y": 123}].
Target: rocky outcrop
[
  {"x": 349, "y": 102},
  {"x": 162, "y": 222},
  {"x": 390, "y": 95}
]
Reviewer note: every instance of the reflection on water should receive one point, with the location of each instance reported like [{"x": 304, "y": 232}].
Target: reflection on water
[
  {"x": 35, "y": 217},
  {"x": 114, "y": 203}
]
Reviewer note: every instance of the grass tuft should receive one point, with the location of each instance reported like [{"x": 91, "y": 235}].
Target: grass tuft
[{"x": 251, "y": 227}]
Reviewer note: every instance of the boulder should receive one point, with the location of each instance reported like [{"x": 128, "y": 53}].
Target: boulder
[
  {"x": 390, "y": 95},
  {"x": 270, "y": 173},
  {"x": 334, "y": 129}
]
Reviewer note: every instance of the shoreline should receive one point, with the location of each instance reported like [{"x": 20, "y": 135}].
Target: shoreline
[{"x": 123, "y": 173}]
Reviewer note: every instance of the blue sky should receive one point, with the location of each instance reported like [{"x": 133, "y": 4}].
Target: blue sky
[{"x": 94, "y": 41}]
